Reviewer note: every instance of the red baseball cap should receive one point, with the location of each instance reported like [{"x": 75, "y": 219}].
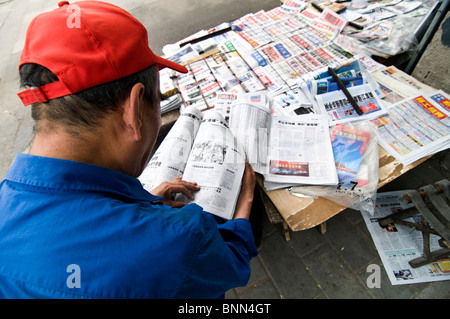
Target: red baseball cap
[{"x": 86, "y": 44}]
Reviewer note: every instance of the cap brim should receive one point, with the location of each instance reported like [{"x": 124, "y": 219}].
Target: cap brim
[{"x": 164, "y": 63}]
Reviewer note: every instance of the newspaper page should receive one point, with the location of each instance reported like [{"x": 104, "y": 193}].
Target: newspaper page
[
  {"x": 333, "y": 18},
  {"x": 293, "y": 6},
  {"x": 397, "y": 85},
  {"x": 339, "y": 110},
  {"x": 170, "y": 158},
  {"x": 166, "y": 85},
  {"x": 250, "y": 123},
  {"x": 223, "y": 104},
  {"x": 330, "y": 100},
  {"x": 415, "y": 127},
  {"x": 184, "y": 54},
  {"x": 300, "y": 152},
  {"x": 355, "y": 150},
  {"x": 216, "y": 163},
  {"x": 398, "y": 244}
]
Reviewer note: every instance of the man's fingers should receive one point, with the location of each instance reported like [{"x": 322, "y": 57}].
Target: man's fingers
[
  {"x": 189, "y": 185},
  {"x": 178, "y": 181},
  {"x": 185, "y": 189},
  {"x": 176, "y": 185}
]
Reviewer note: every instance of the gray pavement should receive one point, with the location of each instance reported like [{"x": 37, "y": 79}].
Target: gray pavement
[{"x": 310, "y": 265}]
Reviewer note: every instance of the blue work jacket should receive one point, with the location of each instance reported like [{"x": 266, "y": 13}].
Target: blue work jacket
[{"x": 75, "y": 230}]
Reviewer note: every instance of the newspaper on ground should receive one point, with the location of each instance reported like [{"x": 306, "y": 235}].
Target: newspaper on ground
[{"x": 398, "y": 244}]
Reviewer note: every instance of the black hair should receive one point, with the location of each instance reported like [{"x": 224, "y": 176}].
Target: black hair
[{"x": 84, "y": 109}]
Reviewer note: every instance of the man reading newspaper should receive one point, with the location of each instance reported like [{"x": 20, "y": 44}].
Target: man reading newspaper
[{"x": 75, "y": 222}]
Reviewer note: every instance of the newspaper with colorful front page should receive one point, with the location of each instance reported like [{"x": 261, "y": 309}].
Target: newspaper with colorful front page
[{"x": 415, "y": 127}]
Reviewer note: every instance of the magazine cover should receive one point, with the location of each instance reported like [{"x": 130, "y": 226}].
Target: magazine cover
[{"x": 348, "y": 145}]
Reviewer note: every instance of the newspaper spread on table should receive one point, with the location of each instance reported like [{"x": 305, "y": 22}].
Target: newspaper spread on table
[
  {"x": 328, "y": 98},
  {"x": 300, "y": 152},
  {"x": 284, "y": 54},
  {"x": 339, "y": 110},
  {"x": 398, "y": 244},
  {"x": 166, "y": 85},
  {"x": 396, "y": 85}
]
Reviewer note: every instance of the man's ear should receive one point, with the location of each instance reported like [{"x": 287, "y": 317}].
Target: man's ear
[{"x": 132, "y": 113}]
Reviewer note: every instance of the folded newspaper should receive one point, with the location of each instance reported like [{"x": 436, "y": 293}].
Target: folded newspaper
[{"x": 166, "y": 85}]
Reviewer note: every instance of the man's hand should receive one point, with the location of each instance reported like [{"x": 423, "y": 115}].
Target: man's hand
[
  {"x": 169, "y": 189},
  {"x": 244, "y": 203}
]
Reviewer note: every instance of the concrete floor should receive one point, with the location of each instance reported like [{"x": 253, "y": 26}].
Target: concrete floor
[{"x": 311, "y": 265}]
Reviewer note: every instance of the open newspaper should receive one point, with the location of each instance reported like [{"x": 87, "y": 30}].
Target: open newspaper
[
  {"x": 203, "y": 150},
  {"x": 398, "y": 244},
  {"x": 286, "y": 150}
]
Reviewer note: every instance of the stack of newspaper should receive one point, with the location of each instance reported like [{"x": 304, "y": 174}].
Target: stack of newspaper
[
  {"x": 418, "y": 120},
  {"x": 172, "y": 102}
]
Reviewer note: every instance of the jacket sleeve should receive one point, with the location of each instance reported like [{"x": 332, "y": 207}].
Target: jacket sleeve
[{"x": 222, "y": 260}]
